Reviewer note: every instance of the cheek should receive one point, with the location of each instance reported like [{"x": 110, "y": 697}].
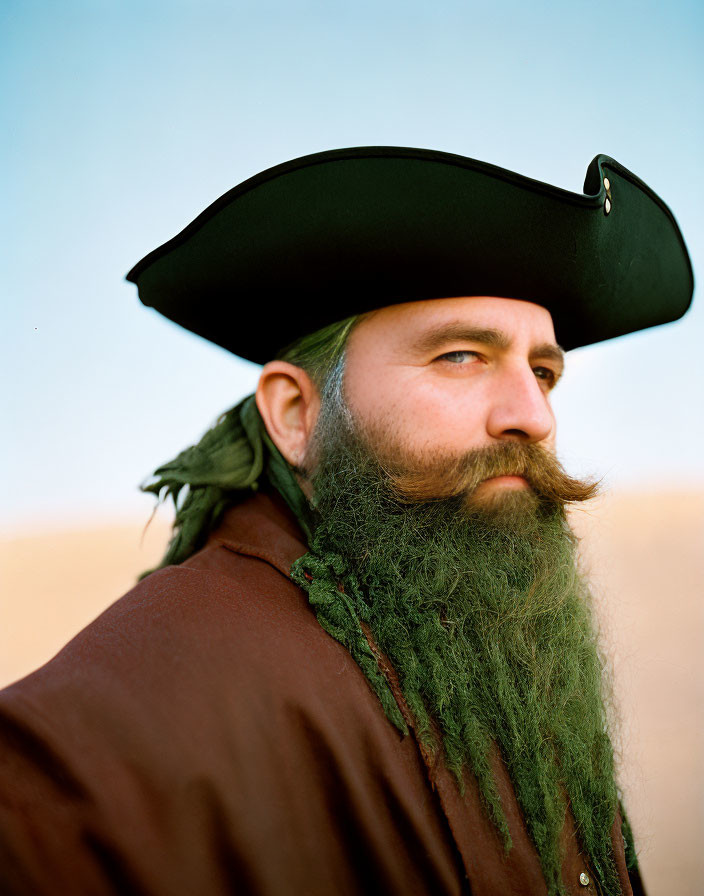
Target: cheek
[
  {"x": 550, "y": 444},
  {"x": 418, "y": 413}
]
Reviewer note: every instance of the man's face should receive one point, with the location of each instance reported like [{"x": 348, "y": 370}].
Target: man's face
[{"x": 446, "y": 376}]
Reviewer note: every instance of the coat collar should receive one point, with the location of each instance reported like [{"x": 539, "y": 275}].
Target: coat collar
[{"x": 262, "y": 526}]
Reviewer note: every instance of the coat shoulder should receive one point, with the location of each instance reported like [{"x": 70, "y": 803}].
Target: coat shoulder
[{"x": 220, "y": 619}]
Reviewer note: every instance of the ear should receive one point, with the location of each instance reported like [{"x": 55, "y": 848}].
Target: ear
[{"x": 289, "y": 404}]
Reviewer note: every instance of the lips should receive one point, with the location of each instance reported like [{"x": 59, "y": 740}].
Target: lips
[{"x": 509, "y": 479}]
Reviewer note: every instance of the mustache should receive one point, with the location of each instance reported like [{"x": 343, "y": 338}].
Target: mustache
[{"x": 448, "y": 477}]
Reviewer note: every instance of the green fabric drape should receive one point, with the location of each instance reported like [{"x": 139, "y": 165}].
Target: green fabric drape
[{"x": 231, "y": 460}]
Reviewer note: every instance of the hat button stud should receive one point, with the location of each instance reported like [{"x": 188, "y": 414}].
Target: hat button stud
[{"x": 607, "y": 201}]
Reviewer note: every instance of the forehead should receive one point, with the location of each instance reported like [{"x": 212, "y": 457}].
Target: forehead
[{"x": 403, "y": 326}]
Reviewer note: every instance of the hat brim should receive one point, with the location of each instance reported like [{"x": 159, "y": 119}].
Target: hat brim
[{"x": 338, "y": 233}]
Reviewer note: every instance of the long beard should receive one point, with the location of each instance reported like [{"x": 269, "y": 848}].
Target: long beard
[{"x": 481, "y": 609}]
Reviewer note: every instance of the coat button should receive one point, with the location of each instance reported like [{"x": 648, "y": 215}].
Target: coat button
[{"x": 584, "y": 879}]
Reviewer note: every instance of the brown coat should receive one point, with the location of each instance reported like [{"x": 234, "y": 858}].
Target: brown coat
[{"x": 206, "y": 736}]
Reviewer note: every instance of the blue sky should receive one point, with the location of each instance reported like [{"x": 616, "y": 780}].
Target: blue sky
[{"x": 123, "y": 120}]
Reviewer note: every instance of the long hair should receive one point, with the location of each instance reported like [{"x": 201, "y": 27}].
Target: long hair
[{"x": 231, "y": 459}]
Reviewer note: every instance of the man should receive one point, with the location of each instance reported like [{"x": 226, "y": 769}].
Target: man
[{"x": 368, "y": 664}]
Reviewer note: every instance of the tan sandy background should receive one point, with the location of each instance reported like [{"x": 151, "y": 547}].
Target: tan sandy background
[{"x": 645, "y": 555}]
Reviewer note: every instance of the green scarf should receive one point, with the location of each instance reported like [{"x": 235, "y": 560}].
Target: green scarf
[{"x": 230, "y": 462}]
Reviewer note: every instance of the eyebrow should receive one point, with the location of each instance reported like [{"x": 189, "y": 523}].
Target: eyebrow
[
  {"x": 440, "y": 336},
  {"x": 548, "y": 351},
  {"x": 436, "y": 338}
]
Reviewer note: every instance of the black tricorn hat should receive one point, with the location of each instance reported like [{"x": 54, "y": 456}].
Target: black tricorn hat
[{"x": 338, "y": 233}]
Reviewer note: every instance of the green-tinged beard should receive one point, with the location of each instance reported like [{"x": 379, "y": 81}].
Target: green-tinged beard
[{"x": 481, "y": 609}]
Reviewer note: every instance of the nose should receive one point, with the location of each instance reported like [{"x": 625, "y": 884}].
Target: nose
[{"x": 520, "y": 409}]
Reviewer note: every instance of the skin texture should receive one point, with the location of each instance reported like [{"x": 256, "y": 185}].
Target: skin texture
[{"x": 419, "y": 370}]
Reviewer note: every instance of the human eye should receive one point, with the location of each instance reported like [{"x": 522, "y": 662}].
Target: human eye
[
  {"x": 458, "y": 357},
  {"x": 546, "y": 376}
]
